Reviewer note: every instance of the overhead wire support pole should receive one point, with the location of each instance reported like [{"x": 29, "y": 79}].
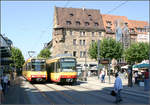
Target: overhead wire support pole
[
  {"x": 98, "y": 56},
  {"x": 109, "y": 69}
]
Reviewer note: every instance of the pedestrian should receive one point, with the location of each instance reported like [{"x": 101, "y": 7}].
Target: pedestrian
[
  {"x": 1, "y": 92},
  {"x": 136, "y": 77},
  {"x": 103, "y": 76},
  {"x": 117, "y": 88},
  {"x": 5, "y": 82},
  {"x": 146, "y": 80},
  {"x": 8, "y": 84}
]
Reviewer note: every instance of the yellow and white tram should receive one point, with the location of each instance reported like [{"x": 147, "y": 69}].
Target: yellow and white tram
[{"x": 34, "y": 69}]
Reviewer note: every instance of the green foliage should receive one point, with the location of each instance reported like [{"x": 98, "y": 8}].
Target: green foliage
[
  {"x": 45, "y": 53},
  {"x": 17, "y": 57},
  {"x": 109, "y": 48},
  {"x": 137, "y": 52}
]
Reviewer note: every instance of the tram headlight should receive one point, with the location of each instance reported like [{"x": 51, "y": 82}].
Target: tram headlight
[{"x": 32, "y": 76}]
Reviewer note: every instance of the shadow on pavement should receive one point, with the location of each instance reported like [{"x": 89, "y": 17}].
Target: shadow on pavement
[{"x": 24, "y": 95}]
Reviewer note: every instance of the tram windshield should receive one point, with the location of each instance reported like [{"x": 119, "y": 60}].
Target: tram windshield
[
  {"x": 38, "y": 65},
  {"x": 68, "y": 64}
]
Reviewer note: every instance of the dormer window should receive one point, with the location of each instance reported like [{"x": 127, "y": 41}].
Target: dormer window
[
  {"x": 87, "y": 24},
  {"x": 71, "y": 14},
  {"x": 109, "y": 23},
  {"x": 132, "y": 30},
  {"x": 77, "y": 23},
  {"x": 126, "y": 24},
  {"x": 89, "y": 15},
  {"x": 68, "y": 22},
  {"x": 96, "y": 24}
]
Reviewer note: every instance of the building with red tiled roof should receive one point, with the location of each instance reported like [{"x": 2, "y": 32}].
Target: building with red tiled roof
[
  {"x": 135, "y": 27},
  {"x": 74, "y": 29}
]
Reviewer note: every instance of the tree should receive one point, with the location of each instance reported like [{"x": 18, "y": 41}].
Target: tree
[
  {"x": 137, "y": 52},
  {"x": 17, "y": 57},
  {"x": 109, "y": 48},
  {"x": 45, "y": 53}
]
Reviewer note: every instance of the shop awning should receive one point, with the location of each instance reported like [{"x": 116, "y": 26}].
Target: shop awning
[{"x": 144, "y": 65}]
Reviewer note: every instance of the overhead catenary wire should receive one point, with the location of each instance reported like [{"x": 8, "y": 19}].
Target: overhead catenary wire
[{"x": 116, "y": 7}]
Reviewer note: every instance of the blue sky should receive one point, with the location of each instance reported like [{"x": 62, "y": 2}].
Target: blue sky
[{"x": 29, "y": 23}]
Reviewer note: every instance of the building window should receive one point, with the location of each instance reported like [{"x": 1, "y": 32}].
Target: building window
[
  {"x": 74, "y": 53},
  {"x": 93, "y": 41},
  {"x": 84, "y": 53},
  {"x": 108, "y": 23},
  {"x": 77, "y": 23},
  {"x": 89, "y": 15},
  {"x": 132, "y": 30},
  {"x": 87, "y": 23},
  {"x": 83, "y": 42},
  {"x": 82, "y": 33},
  {"x": 68, "y": 22},
  {"x": 71, "y": 14},
  {"x": 74, "y": 41},
  {"x": 65, "y": 52},
  {"x": 92, "y": 33},
  {"x": 100, "y": 33},
  {"x": 108, "y": 29},
  {"x": 80, "y": 54},
  {"x": 96, "y": 24},
  {"x": 126, "y": 24},
  {"x": 70, "y": 32},
  {"x": 80, "y": 42}
]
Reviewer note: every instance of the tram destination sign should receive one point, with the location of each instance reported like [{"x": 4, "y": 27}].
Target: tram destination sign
[{"x": 67, "y": 59}]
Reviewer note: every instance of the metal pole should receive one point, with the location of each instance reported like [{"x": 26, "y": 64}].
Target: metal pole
[
  {"x": 109, "y": 70},
  {"x": 149, "y": 57},
  {"x": 98, "y": 56},
  {"x": 85, "y": 72}
]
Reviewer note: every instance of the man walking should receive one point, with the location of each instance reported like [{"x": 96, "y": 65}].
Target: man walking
[{"x": 117, "y": 88}]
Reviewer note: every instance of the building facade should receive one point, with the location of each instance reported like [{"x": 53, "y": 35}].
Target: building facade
[
  {"x": 5, "y": 53},
  {"x": 74, "y": 29}
]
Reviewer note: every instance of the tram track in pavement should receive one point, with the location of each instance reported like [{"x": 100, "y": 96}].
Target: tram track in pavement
[
  {"x": 66, "y": 95},
  {"x": 44, "y": 95},
  {"x": 90, "y": 94}
]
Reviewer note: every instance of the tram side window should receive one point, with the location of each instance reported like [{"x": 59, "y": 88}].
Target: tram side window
[
  {"x": 52, "y": 67},
  {"x": 58, "y": 66},
  {"x": 55, "y": 67},
  {"x": 28, "y": 66}
]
